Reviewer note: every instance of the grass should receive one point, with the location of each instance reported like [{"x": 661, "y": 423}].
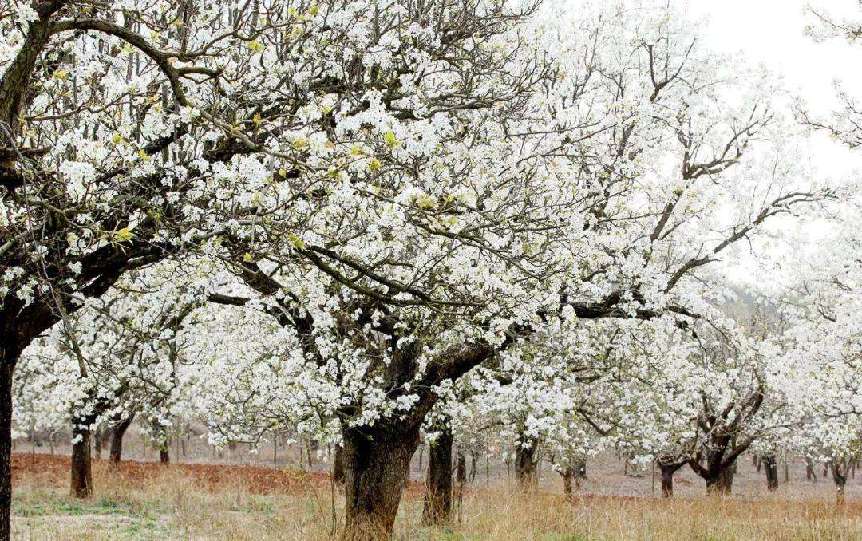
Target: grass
[{"x": 172, "y": 503}]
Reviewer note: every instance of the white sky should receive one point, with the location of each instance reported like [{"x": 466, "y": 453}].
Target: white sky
[{"x": 772, "y": 33}]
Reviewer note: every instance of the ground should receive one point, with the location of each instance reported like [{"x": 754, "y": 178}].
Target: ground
[{"x": 143, "y": 500}]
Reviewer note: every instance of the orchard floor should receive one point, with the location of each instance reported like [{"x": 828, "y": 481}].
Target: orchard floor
[{"x": 226, "y": 502}]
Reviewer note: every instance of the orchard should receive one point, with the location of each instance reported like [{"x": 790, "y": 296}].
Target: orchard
[{"x": 505, "y": 232}]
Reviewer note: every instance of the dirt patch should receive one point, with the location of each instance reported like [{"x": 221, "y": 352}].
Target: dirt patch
[{"x": 54, "y": 471}]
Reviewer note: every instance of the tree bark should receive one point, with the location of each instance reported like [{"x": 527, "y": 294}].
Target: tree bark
[
  {"x": 98, "y": 438},
  {"x": 117, "y": 434},
  {"x": 461, "y": 468},
  {"x": 580, "y": 472},
  {"x": 667, "y": 472},
  {"x": 725, "y": 479},
  {"x": 567, "y": 474},
  {"x": 164, "y": 454},
  {"x": 810, "y": 474},
  {"x": 720, "y": 481},
  {"x": 525, "y": 465},
  {"x": 461, "y": 479},
  {"x": 718, "y": 469},
  {"x": 839, "y": 475},
  {"x": 437, "y": 509},
  {"x": 338, "y": 465},
  {"x": 82, "y": 464},
  {"x": 771, "y": 472},
  {"x": 7, "y": 368},
  {"x": 376, "y": 465}
]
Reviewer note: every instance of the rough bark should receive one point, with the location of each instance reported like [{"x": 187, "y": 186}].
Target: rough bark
[
  {"x": 98, "y": 439},
  {"x": 567, "y": 474},
  {"x": 719, "y": 480},
  {"x": 771, "y": 467},
  {"x": 82, "y": 464},
  {"x": 668, "y": 469},
  {"x": 525, "y": 465},
  {"x": 376, "y": 465},
  {"x": 719, "y": 465},
  {"x": 437, "y": 509},
  {"x": 460, "y": 479},
  {"x": 117, "y": 434},
  {"x": 839, "y": 475},
  {"x": 338, "y": 465},
  {"x": 580, "y": 472}
]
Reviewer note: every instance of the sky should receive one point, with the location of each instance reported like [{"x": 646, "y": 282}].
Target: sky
[{"x": 772, "y": 33}]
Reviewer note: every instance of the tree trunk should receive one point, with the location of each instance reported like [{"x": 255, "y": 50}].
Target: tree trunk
[
  {"x": 726, "y": 479},
  {"x": 438, "y": 486},
  {"x": 117, "y": 434},
  {"x": 580, "y": 472},
  {"x": 460, "y": 478},
  {"x": 7, "y": 368},
  {"x": 771, "y": 472},
  {"x": 338, "y": 465},
  {"x": 567, "y": 474},
  {"x": 667, "y": 473},
  {"x": 376, "y": 463},
  {"x": 720, "y": 483},
  {"x": 525, "y": 465},
  {"x": 810, "y": 474},
  {"x": 82, "y": 464},
  {"x": 461, "y": 468},
  {"x": 98, "y": 437},
  {"x": 164, "y": 454},
  {"x": 839, "y": 475}
]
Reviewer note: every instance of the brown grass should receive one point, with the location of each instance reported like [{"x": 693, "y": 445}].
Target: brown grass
[{"x": 148, "y": 501}]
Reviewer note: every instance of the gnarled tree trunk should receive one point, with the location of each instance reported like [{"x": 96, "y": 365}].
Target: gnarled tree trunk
[
  {"x": 573, "y": 475},
  {"x": 721, "y": 481},
  {"x": 438, "y": 486},
  {"x": 525, "y": 464},
  {"x": 376, "y": 462},
  {"x": 117, "y": 434},
  {"x": 668, "y": 469},
  {"x": 719, "y": 465},
  {"x": 82, "y": 464}
]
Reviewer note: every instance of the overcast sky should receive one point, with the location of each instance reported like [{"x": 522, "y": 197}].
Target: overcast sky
[{"x": 772, "y": 32}]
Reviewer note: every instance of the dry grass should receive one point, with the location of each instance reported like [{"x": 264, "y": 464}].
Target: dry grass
[{"x": 181, "y": 502}]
